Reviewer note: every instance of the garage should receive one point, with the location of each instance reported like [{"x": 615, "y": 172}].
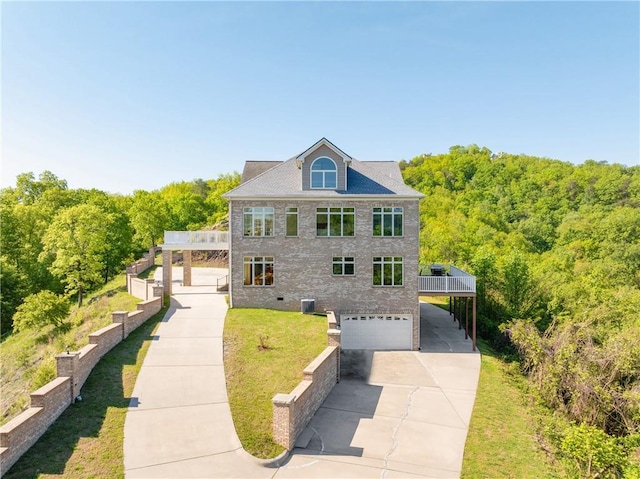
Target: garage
[{"x": 376, "y": 331}]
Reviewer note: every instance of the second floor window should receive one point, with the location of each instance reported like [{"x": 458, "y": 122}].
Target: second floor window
[
  {"x": 324, "y": 174},
  {"x": 335, "y": 221},
  {"x": 291, "y": 219},
  {"x": 387, "y": 271},
  {"x": 258, "y": 221},
  {"x": 387, "y": 221}
]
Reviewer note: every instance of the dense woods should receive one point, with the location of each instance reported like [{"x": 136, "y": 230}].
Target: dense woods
[
  {"x": 69, "y": 241},
  {"x": 555, "y": 248}
]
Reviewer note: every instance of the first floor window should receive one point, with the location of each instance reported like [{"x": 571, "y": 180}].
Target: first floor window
[
  {"x": 335, "y": 221},
  {"x": 387, "y": 270},
  {"x": 258, "y": 221},
  {"x": 344, "y": 265},
  {"x": 291, "y": 219},
  {"x": 387, "y": 221},
  {"x": 258, "y": 270}
]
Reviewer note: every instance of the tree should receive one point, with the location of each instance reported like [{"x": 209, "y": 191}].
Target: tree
[
  {"x": 41, "y": 309},
  {"x": 149, "y": 216},
  {"x": 76, "y": 240}
]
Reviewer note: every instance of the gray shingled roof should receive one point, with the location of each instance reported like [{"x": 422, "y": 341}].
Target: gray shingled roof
[
  {"x": 285, "y": 180},
  {"x": 256, "y": 168}
]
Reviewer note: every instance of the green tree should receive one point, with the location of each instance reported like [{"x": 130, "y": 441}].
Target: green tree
[
  {"x": 149, "y": 215},
  {"x": 75, "y": 241},
  {"x": 41, "y": 309}
]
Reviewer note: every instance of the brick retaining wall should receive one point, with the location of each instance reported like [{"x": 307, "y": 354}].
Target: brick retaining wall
[
  {"x": 292, "y": 412},
  {"x": 73, "y": 368}
]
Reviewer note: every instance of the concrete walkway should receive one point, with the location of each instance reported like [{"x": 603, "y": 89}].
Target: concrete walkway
[
  {"x": 397, "y": 414},
  {"x": 179, "y": 423}
]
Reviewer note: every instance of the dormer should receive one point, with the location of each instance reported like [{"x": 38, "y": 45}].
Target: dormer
[{"x": 324, "y": 167}]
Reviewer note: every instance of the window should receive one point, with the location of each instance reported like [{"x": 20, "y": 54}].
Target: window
[
  {"x": 344, "y": 266},
  {"x": 258, "y": 221},
  {"x": 324, "y": 173},
  {"x": 387, "y": 271},
  {"x": 387, "y": 221},
  {"x": 335, "y": 221},
  {"x": 258, "y": 270},
  {"x": 291, "y": 220}
]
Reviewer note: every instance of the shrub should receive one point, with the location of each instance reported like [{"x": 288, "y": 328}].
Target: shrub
[{"x": 41, "y": 309}]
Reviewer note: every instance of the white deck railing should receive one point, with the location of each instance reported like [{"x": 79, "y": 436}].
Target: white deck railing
[
  {"x": 197, "y": 239},
  {"x": 458, "y": 281}
]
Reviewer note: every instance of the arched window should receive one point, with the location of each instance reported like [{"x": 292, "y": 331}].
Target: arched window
[{"x": 324, "y": 173}]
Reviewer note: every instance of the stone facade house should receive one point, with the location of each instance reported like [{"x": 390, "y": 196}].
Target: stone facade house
[{"x": 326, "y": 231}]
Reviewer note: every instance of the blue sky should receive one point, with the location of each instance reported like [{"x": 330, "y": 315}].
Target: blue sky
[{"x": 135, "y": 95}]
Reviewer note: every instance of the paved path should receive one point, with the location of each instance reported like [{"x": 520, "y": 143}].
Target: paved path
[{"x": 400, "y": 414}]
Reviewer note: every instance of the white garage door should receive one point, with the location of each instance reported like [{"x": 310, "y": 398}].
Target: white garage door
[{"x": 372, "y": 331}]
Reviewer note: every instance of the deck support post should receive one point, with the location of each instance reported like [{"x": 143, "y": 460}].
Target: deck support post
[{"x": 473, "y": 337}]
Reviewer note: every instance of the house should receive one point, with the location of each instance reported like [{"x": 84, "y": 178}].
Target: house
[{"x": 325, "y": 231}]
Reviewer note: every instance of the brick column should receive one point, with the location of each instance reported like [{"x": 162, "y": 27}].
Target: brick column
[
  {"x": 167, "y": 257},
  {"x": 333, "y": 336},
  {"x": 186, "y": 267},
  {"x": 67, "y": 365},
  {"x": 283, "y": 415},
  {"x": 121, "y": 317}
]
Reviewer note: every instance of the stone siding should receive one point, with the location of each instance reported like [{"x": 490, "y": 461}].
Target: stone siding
[{"x": 303, "y": 264}]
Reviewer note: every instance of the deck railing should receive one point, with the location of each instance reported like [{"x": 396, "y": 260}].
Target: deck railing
[
  {"x": 457, "y": 281},
  {"x": 220, "y": 239}
]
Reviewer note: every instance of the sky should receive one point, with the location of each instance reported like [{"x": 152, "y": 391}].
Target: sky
[{"x": 121, "y": 96}]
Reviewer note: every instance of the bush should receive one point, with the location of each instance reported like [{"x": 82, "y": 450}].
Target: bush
[{"x": 41, "y": 309}]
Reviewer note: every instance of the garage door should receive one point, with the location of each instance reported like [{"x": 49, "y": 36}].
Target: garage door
[{"x": 371, "y": 331}]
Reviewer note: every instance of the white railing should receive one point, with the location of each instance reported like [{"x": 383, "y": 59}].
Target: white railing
[
  {"x": 210, "y": 238},
  {"x": 457, "y": 281}
]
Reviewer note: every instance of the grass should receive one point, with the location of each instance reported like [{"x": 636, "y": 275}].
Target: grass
[
  {"x": 265, "y": 352},
  {"x": 27, "y": 358},
  {"x": 502, "y": 440},
  {"x": 87, "y": 439}
]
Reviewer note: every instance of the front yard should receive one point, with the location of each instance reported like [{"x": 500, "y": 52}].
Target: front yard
[{"x": 265, "y": 352}]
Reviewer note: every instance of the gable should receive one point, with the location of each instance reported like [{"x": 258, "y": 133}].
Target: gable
[{"x": 324, "y": 151}]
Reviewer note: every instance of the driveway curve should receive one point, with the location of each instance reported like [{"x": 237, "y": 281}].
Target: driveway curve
[{"x": 394, "y": 414}]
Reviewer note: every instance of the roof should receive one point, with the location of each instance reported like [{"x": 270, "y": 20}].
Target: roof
[
  {"x": 284, "y": 180},
  {"x": 256, "y": 168},
  {"x": 273, "y": 179}
]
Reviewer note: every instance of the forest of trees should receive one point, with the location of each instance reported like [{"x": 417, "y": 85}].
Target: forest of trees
[
  {"x": 555, "y": 248},
  {"x": 68, "y": 242}
]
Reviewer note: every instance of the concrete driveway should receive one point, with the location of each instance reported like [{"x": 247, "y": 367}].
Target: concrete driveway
[{"x": 395, "y": 414}]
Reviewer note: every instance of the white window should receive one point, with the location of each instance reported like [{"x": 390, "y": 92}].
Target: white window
[
  {"x": 335, "y": 221},
  {"x": 258, "y": 270},
  {"x": 291, "y": 221},
  {"x": 344, "y": 266},
  {"x": 258, "y": 221},
  {"x": 387, "y": 221},
  {"x": 324, "y": 173},
  {"x": 387, "y": 271}
]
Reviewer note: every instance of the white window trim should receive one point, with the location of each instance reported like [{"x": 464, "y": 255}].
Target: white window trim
[
  {"x": 263, "y": 214},
  {"x": 382, "y": 263},
  {"x": 253, "y": 262},
  {"x": 382, "y": 213},
  {"x": 342, "y": 263},
  {"x": 335, "y": 213},
  {"x": 324, "y": 177}
]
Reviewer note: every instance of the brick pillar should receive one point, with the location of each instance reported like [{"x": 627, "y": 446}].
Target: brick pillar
[
  {"x": 67, "y": 365},
  {"x": 186, "y": 267},
  {"x": 158, "y": 291},
  {"x": 167, "y": 259},
  {"x": 333, "y": 336},
  {"x": 121, "y": 317},
  {"x": 283, "y": 415}
]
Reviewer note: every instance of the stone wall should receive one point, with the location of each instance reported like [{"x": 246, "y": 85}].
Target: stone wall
[
  {"x": 292, "y": 412},
  {"x": 141, "y": 288},
  {"x": 73, "y": 368}
]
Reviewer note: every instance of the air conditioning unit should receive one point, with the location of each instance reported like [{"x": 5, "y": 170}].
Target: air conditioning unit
[{"x": 308, "y": 306}]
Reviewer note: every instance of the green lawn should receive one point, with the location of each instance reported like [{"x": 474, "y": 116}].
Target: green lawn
[
  {"x": 87, "y": 439},
  {"x": 265, "y": 352},
  {"x": 502, "y": 439}
]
